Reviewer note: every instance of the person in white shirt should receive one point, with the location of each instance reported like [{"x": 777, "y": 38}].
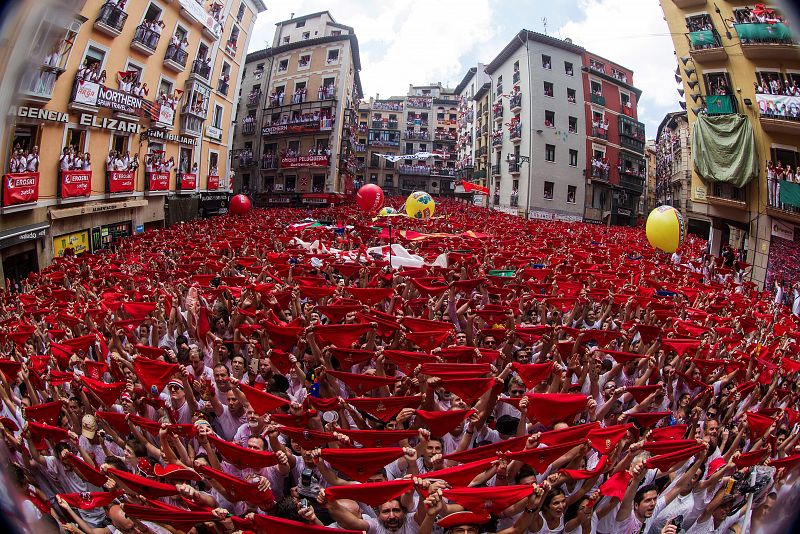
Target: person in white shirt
[
  {"x": 32, "y": 163},
  {"x": 110, "y": 160},
  {"x": 65, "y": 161}
]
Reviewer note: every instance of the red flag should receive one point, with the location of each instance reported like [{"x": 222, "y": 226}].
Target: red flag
[
  {"x": 361, "y": 464},
  {"x": 493, "y": 499}
]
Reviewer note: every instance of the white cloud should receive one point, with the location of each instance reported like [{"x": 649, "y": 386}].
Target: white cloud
[
  {"x": 634, "y": 34},
  {"x": 401, "y": 43}
]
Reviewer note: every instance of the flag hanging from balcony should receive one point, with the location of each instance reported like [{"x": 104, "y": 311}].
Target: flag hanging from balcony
[
  {"x": 724, "y": 149},
  {"x": 470, "y": 187}
]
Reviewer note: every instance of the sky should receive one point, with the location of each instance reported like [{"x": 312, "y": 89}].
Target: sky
[{"x": 427, "y": 41}]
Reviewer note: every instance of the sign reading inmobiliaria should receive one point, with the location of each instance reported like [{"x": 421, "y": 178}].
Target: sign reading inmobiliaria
[
  {"x": 76, "y": 184},
  {"x": 305, "y": 161},
  {"x": 121, "y": 181},
  {"x": 157, "y": 181},
  {"x": 20, "y": 188},
  {"x": 188, "y": 182}
]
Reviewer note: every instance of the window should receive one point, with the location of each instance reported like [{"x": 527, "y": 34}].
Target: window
[
  {"x": 336, "y": 32},
  {"x": 568, "y": 69},
  {"x": 290, "y": 181},
  {"x": 217, "y": 120},
  {"x": 549, "y": 119},
  {"x": 130, "y": 67},
  {"x": 283, "y": 65},
  {"x": 548, "y": 89},
  {"x": 233, "y": 40},
  {"x": 213, "y": 164},
  {"x": 516, "y": 66},
  {"x": 570, "y": 95},
  {"x": 548, "y": 190},
  {"x": 153, "y": 13},
  {"x": 94, "y": 56},
  {"x": 286, "y": 40},
  {"x": 305, "y": 61},
  {"x": 572, "y": 192},
  {"x": 76, "y": 139},
  {"x": 388, "y": 180},
  {"x": 546, "y": 62},
  {"x": 625, "y": 100},
  {"x": 240, "y": 13},
  {"x": 499, "y": 85},
  {"x": 573, "y": 125},
  {"x": 597, "y": 88},
  {"x": 333, "y": 56},
  {"x": 306, "y": 36},
  {"x": 185, "y": 160},
  {"x": 120, "y": 143},
  {"x": 573, "y": 157},
  {"x": 373, "y": 178},
  {"x": 550, "y": 153},
  {"x": 300, "y": 24},
  {"x": 165, "y": 87}
]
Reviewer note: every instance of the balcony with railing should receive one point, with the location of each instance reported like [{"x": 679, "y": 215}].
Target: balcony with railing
[
  {"x": 385, "y": 142},
  {"x": 496, "y": 199},
  {"x": 480, "y": 174},
  {"x": 515, "y": 77},
  {"x": 192, "y": 124},
  {"x": 599, "y": 171},
  {"x": 359, "y": 147},
  {"x": 482, "y": 151},
  {"x": 201, "y": 69},
  {"x": 416, "y": 170},
  {"x": 446, "y": 137},
  {"x": 269, "y": 162},
  {"x": 37, "y": 83},
  {"x": 513, "y": 166},
  {"x": 632, "y": 183},
  {"x": 727, "y": 195},
  {"x": 779, "y": 118},
  {"x": 495, "y": 170},
  {"x": 111, "y": 19},
  {"x": 705, "y": 45},
  {"x": 175, "y": 58},
  {"x": 222, "y": 87},
  {"x": 600, "y": 132},
  {"x": 414, "y": 122},
  {"x": 767, "y": 41},
  {"x": 254, "y": 98},
  {"x": 422, "y": 135},
  {"x": 600, "y": 100},
  {"x": 497, "y": 113},
  {"x": 515, "y": 102},
  {"x": 249, "y": 128},
  {"x": 721, "y": 104},
  {"x": 683, "y": 4},
  {"x": 631, "y": 134},
  {"x": 443, "y": 171},
  {"x": 145, "y": 39},
  {"x": 516, "y": 133},
  {"x": 497, "y": 138}
]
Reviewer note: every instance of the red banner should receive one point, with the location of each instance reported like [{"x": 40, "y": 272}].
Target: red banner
[
  {"x": 158, "y": 181},
  {"x": 20, "y": 188},
  {"x": 305, "y": 161},
  {"x": 76, "y": 184},
  {"x": 121, "y": 181},
  {"x": 188, "y": 182},
  {"x": 213, "y": 182}
]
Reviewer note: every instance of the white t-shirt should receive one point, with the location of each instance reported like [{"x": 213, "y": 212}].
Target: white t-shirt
[{"x": 376, "y": 527}]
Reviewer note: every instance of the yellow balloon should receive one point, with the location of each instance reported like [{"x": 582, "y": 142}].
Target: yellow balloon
[
  {"x": 420, "y": 205},
  {"x": 665, "y": 228},
  {"x": 386, "y": 210}
]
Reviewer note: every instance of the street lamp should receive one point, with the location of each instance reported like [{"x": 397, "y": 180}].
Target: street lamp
[{"x": 520, "y": 159}]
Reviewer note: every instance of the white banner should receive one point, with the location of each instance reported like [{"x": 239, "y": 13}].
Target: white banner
[
  {"x": 418, "y": 155},
  {"x": 779, "y": 106}
]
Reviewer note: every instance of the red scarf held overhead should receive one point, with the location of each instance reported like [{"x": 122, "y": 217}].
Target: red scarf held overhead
[
  {"x": 180, "y": 519},
  {"x": 493, "y": 499},
  {"x": 370, "y": 295},
  {"x": 151, "y": 489},
  {"x": 616, "y": 485},
  {"x": 237, "y": 489},
  {"x": 533, "y": 374},
  {"x": 154, "y": 373},
  {"x": 757, "y": 424},
  {"x": 605, "y": 439},
  {"x": 261, "y": 401},
  {"x": 384, "y": 408},
  {"x": 371, "y": 494},
  {"x": 460, "y": 475},
  {"x": 108, "y": 393},
  {"x": 468, "y": 389},
  {"x": 750, "y": 459},
  {"x": 663, "y": 462},
  {"x": 341, "y": 335},
  {"x": 379, "y": 438},
  {"x": 648, "y": 419},
  {"x": 308, "y": 439},
  {"x": 269, "y": 523},
  {"x": 542, "y": 457},
  {"x": 442, "y": 422},
  {"x": 242, "y": 457},
  {"x": 361, "y": 464},
  {"x": 550, "y": 408},
  {"x": 361, "y": 384},
  {"x": 47, "y": 412},
  {"x": 139, "y": 310},
  {"x": 89, "y": 500},
  {"x": 428, "y": 340},
  {"x": 585, "y": 474}
]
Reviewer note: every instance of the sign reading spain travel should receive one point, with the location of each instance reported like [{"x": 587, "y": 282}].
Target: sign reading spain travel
[
  {"x": 305, "y": 161},
  {"x": 121, "y": 181},
  {"x": 188, "y": 182},
  {"x": 213, "y": 182},
  {"x": 157, "y": 181},
  {"x": 20, "y": 188},
  {"x": 76, "y": 184}
]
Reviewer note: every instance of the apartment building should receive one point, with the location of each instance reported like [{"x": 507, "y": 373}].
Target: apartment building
[
  {"x": 153, "y": 81},
  {"x": 473, "y": 131},
  {"x": 538, "y": 138},
  {"x": 615, "y": 139},
  {"x": 295, "y": 131},
  {"x": 743, "y": 63},
  {"x": 650, "y": 182}
]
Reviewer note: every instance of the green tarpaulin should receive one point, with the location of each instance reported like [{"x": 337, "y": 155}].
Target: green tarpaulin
[
  {"x": 702, "y": 38},
  {"x": 500, "y": 272},
  {"x": 719, "y": 104},
  {"x": 763, "y": 32},
  {"x": 790, "y": 193},
  {"x": 724, "y": 149}
]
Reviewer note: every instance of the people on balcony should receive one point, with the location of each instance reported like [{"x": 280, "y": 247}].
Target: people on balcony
[
  {"x": 276, "y": 98},
  {"x": 700, "y": 23},
  {"x": 325, "y": 92},
  {"x": 170, "y": 100},
  {"x": 418, "y": 102},
  {"x": 24, "y": 161},
  {"x": 775, "y": 175},
  {"x": 600, "y": 167},
  {"x": 299, "y": 96}
]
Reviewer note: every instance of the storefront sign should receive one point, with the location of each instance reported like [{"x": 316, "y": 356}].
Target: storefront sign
[
  {"x": 547, "y": 216},
  {"x": 161, "y": 135},
  {"x": 121, "y": 181},
  {"x": 76, "y": 184},
  {"x": 140, "y": 229},
  {"x": 187, "y": 181},
  {"x": 105, "y": 236},
  {"x": 214, "y": 133},
  {"x": 77, "y": 241},
  {"x": 279, "y": 200},
  {"x": 305, "y": 161},
  {"x": 20, "y": 188},
  {"x": 22, "y": 234},
  {"x": 624, "y": 212},
  {"x": 214, "y": 204},
  {"x": 280, "y": 129},
  {"x": 699, "y": 193},
  {"x": 157, "y": 181},
  {"x": 783, "y": 230},
  {"x": 94, "y": 94},
  {"x": 40, "y": 114},
  {"x": 213, "y": 183},
  {"x": 108, "y": 123}
]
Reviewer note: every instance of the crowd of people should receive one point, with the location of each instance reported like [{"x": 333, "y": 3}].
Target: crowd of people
[
  {"x": 772, "y": 84},
  {"x": 387, "y": 106},
  {"x": 600, "y": 167},
  {"x": 273, "y": 373},
  {"x": 72, "y": 159},
  {"x": 760, "y": 14},
  {"x": 421, "y": 102},
  {"x": 122, "y": 161},
  {"x": 777, "y": 173},
  {"x": 24, "y": 160},
  {"x": 155, "y": 162}
]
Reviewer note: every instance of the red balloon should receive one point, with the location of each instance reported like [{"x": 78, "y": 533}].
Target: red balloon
[
  {"x": 370, "y": 198},
  {"x": 240, "y": 204}
]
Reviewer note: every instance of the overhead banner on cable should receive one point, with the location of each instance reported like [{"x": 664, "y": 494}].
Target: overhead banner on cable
[{"x": 419, "y": 155}]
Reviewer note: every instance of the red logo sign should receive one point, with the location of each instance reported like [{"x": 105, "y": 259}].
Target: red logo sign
[
  {"x": 121, "y": 181},
  {"x": 188, "y": 182},
  {"x": 158, "y": 181},
  {"x": 20, "y": 188},
  {"x": 305, "y": 161},
  {"x": 76, "y": 184},
  {"x": 213, "y": 182}
]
